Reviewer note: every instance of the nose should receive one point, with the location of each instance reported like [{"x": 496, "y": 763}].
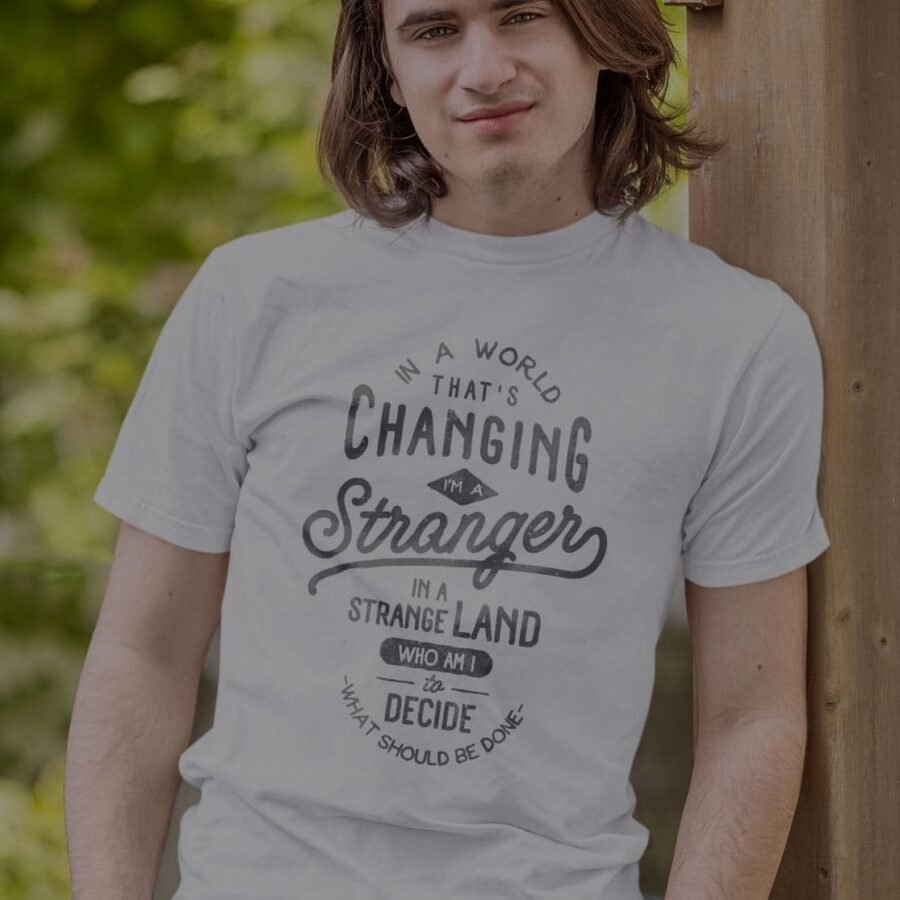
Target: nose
[{"x": 485, "y": 65}]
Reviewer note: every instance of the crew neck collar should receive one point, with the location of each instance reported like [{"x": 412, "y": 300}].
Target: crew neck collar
[{"x": 513, "y": 249}]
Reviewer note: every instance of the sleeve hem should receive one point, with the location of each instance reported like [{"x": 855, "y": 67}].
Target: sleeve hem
[
  {"x": 136, "y": 512},
  {"x": 779, "y": 562}
]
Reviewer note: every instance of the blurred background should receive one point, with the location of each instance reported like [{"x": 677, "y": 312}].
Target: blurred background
[{"x": 134, "y": 138}]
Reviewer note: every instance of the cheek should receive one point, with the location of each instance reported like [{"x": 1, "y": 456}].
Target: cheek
[
  {"x": 420, "y": 97},
  {"x": 582, "y": 98}
]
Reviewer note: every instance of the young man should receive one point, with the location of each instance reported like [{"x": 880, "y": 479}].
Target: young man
[{"x": 452, "y": 471}]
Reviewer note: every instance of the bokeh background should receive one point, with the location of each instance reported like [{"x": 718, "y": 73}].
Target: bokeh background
[{"x": 134, "y": 138}]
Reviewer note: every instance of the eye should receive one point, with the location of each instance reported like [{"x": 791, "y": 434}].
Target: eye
[{"x": 422, "y": 35}]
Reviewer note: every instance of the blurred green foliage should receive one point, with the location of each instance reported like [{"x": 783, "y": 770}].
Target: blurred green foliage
[
  {"x": 33, "y": 862},
  {"x": 137, "y": 137}
]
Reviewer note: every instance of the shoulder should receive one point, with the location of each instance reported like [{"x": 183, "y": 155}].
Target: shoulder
[
  {"x": 253, "y": 268},
  {"x": 717, "y": 307},
  {"x": 695, "y": 271},
  {"x": 283, "y": 247}
]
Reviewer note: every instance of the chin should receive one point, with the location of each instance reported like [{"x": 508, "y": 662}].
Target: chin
[{"x": 510, "y": 170}]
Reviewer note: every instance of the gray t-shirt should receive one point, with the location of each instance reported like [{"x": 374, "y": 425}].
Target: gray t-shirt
[{"x": 459, "y": 475}]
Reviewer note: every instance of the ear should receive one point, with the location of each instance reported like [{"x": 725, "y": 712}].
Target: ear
[{"x": 396, "y": 93}]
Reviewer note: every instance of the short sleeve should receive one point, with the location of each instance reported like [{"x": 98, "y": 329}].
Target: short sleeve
[
  {"x": 177, "y": 464},
  {"x": 755, "y": 514}
]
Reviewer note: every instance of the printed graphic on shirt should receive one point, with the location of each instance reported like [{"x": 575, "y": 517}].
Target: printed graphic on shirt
[{"x": 437, "y": 658}]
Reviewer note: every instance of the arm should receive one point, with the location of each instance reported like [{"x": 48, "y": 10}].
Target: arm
[
  {"x": 749, "y": 645},
  {"x": 134, "y": 711}
]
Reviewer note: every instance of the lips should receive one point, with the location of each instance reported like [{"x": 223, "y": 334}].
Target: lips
[{"x": 496, "y": 112}]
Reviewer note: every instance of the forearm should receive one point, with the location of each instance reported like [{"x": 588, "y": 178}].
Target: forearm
[
  {"x": 130, "y": 722},
  {"x": 740, "y": 804}
]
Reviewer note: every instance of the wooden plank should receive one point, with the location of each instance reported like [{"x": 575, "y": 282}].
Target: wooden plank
[{"x": 808, "y": 194}]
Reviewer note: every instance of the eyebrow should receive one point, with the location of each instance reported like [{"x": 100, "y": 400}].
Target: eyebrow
[{"x": 440, "y": 14}]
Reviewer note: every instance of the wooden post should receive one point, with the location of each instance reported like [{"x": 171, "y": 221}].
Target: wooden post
[{"x": 808, "y": 194}]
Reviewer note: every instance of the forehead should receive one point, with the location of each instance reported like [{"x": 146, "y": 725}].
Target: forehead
[{"x": 400, "y": 15}]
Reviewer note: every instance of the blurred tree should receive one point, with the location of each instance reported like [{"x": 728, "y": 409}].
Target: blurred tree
[{"x": 33, "y": 862}]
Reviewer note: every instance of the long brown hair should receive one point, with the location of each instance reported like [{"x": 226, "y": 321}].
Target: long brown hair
[{"x": 368, "y": 150}]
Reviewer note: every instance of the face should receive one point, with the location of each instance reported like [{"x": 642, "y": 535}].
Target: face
[{"x": 488, "y": 54}]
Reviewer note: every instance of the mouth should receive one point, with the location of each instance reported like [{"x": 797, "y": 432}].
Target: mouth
[{"x": 497, "y": 124}]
